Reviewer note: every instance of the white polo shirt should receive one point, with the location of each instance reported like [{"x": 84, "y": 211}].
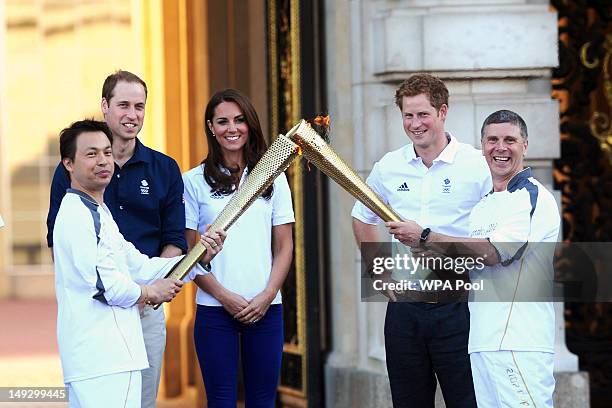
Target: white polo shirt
[
  {"x": 440, "y": 197},
  {"x": 245, "y": 263},
  {"x": 525, "y": 213}
]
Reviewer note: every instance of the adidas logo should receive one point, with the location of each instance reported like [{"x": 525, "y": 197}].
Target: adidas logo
[
  {"x": 217, "y": 194},
  {"x": 403, "y": 187}
]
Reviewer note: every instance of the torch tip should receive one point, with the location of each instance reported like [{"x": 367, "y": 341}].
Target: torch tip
[{"x": 294, "y": 129}]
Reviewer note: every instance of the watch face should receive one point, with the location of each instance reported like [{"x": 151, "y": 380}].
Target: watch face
[{"x": 425, "y": 234}]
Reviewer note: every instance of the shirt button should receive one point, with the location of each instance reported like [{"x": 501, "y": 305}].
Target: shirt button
[
  {"x": 121, "y": 207},
  {"x": 118, "y": 175}
]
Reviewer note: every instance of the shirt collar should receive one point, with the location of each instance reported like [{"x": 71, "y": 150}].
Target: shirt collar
[
  {"x": 83, "y": 195},
  {"x": 446, "y": 155},
  {"x": 141, "y": 153},
  {"x": 518, "y": 178}
]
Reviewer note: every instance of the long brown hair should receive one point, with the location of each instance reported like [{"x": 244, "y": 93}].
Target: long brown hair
[{"x": 255, "y": 147}]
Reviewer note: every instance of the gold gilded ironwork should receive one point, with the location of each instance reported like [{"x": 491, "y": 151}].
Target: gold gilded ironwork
[
  {"x": 285, "y": 82},
  {"x": 297, "y": 183},
  {"x": 584, "y": 57},
  {"x": 316, "y": 150},
  {"x": 274, "y": 161},
  {"x": 600, "y": 124}
]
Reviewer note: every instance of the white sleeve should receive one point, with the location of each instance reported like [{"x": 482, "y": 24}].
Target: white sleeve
[
  {"x": 192, "y": 207},
  {"x": 282, "y": 206},
  {"x": 360, "y": 211},
  {"x": 143, "y": 269},
  {"x": 510, "y": 237},
  {"x": 114, "y": 287},
  {"x": 196, "y": 271},
  {"x": 92, "y": 258}
]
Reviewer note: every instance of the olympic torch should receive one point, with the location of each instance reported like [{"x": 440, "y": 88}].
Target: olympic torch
[{"x": 317, "y": 151}]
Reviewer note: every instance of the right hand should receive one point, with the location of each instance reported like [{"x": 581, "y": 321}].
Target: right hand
[
  {"x": 163, "y": 290},
  {"x": 386, "y": 278},
  {"x": 233, "y": 303},
  {"x": 388, "y": 292}
]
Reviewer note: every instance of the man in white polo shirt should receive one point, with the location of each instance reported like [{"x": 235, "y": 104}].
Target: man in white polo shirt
[
  {"x": 435, "y": 180},
  {"x": 511, "y": 341}
]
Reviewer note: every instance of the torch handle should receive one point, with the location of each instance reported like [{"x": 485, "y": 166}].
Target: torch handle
[{"x": 182, "y": 268}]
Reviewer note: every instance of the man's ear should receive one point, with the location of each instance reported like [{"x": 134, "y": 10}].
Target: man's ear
[
  {"x": 68, "y": 164},
  {"x": 443, "y": 111},
  {"x": 104, "y": 106},
  {"x": 526, "y": 144}
]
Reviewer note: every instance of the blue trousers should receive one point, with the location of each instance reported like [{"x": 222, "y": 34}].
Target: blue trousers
[
  {"x": 218, "y": 340},
  {"x": 427, "y": 341}
]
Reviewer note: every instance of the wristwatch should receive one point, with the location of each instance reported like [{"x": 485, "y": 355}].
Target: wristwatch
[{"x": 424, "y": 236}]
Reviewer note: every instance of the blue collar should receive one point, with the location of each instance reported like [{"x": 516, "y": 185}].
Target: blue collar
[
  {"x": 141, "y": 154},
  {"x": 518, "y": 179},
  {"x": 83, "y": 195}
]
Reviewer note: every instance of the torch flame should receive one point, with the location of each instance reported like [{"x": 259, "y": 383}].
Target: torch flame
[{"x": 323, "y": 121}]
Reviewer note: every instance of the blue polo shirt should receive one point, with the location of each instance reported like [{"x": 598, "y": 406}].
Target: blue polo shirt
[{"x": 145, "y": 197}]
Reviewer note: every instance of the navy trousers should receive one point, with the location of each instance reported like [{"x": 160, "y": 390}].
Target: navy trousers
[
  {"x": 424, "y": 341},
  {"x": 218, "y": 340}
]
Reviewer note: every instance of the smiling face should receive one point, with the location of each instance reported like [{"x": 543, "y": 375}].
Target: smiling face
[
  {"x": 423, "y": 124},
  {"x": 230, "y": 128},
  {"x": 93, "y": 165},
  {"x": 504, "y": 149},
  {"x": 124, "y": 112}
]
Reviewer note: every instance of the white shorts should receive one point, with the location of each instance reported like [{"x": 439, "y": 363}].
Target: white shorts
[
  {"x": 513, "y": 378},
  {"x": 113, "y": 390}
]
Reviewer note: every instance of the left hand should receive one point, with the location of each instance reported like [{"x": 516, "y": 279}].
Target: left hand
[
  {"x": 406, "y": 232},
  {"x": 256, "y": 309},
  {"x": 425, "y": 253},
  {"x": 213, "y": 241}
]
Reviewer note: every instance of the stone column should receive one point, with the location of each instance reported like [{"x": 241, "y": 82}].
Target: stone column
[{"x": 492, "y": 55}]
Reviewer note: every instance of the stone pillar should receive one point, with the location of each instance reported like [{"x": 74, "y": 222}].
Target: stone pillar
[{"x": 492, "y": 55}]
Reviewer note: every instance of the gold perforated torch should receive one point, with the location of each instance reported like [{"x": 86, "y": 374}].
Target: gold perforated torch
[
  {"x": 316, "y": 150},
  {"x": 275, "y": 160}
]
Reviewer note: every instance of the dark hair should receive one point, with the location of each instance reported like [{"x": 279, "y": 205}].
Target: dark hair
[
  {"x": 256, "y": 146},
  {"x": 427, "y": 84},
  {"x": 505, "y": 116},
  {"x": 111, "y": 82},
  {"x": 68, "y": 136}
]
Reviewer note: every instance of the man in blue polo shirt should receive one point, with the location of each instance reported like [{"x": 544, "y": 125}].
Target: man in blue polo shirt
[{"x": 145, "y": 197}]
